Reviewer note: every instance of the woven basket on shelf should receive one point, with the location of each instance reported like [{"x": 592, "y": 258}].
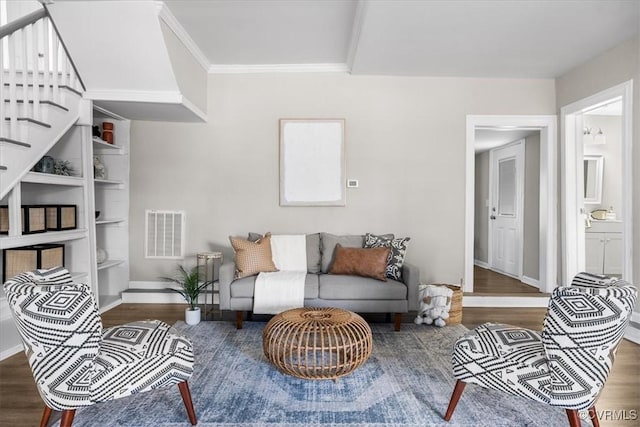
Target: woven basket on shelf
[{"x": 455, "y": 312}]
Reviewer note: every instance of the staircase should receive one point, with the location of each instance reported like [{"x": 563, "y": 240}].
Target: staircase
[{"x": 40, "y": 94}]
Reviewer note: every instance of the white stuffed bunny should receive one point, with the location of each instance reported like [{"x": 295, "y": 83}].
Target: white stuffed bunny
[{"x": 435, "y": 303}]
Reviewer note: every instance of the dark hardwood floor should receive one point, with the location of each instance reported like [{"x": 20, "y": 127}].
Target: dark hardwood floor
[
  {"x": 20, "y": 404},
  {"x": 487, "y": 281}
]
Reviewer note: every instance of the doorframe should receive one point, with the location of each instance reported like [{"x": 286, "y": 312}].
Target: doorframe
[
  {"x": 569, "y": 139},
  {"x": 546, "y": 124},
  {"x": 520, "y": 161}
]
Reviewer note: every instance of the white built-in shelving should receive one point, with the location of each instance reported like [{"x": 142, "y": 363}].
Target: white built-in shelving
[
  {"x": 36, "y": 188},
  {"x": 110, "y": 196},
  {"x": 111, "y": 199}
]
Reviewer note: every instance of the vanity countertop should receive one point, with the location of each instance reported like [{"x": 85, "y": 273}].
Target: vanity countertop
[{"x": 605, "y": 226}]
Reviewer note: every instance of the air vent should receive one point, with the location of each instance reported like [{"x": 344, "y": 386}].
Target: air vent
[{"x": 164, "y": 234}]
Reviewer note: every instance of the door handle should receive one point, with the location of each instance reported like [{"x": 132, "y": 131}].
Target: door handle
[{"x": 492, "y": 217}]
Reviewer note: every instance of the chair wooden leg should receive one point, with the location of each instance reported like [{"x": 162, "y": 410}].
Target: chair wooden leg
[
  {"x": 574, "y": 417},
  {"x": 457, "y": 392},
  {"x": 45, "y": 416},
  {"x": 397, "y": 321},
  {"x": 239, "y": 316},
  {"x": 188, "y": 404},
  {"x": 593, "y": 415},
  {"x": 67, "y": 417}
]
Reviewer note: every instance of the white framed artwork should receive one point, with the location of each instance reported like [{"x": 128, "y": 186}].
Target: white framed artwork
[{"x": 312, "y": 162}]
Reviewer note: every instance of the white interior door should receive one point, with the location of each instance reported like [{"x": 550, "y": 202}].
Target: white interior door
[{"x": 506, "y": 209}]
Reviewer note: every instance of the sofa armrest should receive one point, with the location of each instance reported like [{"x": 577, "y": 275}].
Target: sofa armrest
[
  {"x": 411, "y": 278},
  {"x": 226, "y": 275}
]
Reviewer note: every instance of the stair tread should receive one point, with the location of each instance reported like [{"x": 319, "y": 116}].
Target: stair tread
[
  {"x": 29, "y": 119},
  {"x": 44, "y": 101},
  {"x": 15, "y": 142},
  {"x": 42, "y": 85},
  {"x": 147, "y": 291}
]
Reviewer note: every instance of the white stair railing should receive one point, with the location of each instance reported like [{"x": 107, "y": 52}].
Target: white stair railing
[{"x": 34, "y": 65}]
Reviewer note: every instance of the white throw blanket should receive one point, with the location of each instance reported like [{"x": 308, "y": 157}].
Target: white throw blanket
[
  {"x": 278, "y": 291},
  {"x": 283, "y": 289},
  {"x": 289, "y": 252}
]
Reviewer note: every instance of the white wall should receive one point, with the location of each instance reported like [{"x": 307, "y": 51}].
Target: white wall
[
  {"x": 606, "y": 70},
  {"x": 405, "y": 142}
]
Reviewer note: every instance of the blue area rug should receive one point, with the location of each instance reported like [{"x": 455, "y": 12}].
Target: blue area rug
[{"x": 407, "y": 381}]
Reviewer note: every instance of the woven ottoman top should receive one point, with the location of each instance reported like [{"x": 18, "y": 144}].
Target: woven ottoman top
[{"x": 317, "y": 343}]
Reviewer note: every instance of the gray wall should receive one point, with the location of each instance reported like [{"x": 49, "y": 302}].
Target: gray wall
[
  {"x": 405, "y": 142},
  {"x": 189, "y": 74},
  {"x": 531, "y": 242},
  {"x": 609, "y": 69},
  {"x": 481, "y": 218},
  {"x": 612, "y": 155}
]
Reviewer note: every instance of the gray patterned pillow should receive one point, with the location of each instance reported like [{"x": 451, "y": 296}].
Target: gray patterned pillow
[{"x": 396, "y": 255}]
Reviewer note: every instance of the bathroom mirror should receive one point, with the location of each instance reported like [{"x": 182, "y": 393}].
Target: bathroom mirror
[{"x": 593, "y": 165}]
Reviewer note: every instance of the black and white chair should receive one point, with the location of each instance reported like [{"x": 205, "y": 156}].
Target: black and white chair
[
  {"x": 77, "y": 363},
  {"x": 567, "y": 364}
]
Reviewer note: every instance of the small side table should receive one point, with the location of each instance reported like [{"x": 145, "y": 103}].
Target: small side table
[{"x": 207, "y": 261}]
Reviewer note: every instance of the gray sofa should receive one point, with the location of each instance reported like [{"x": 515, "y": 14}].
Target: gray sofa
[{"x": 355, "y": 293}]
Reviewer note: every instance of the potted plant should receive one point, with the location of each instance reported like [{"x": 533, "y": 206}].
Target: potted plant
[{"x": 190, "y": 288}]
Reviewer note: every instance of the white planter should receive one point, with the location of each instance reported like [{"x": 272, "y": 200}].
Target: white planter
[{"x": 192, "y": 317}]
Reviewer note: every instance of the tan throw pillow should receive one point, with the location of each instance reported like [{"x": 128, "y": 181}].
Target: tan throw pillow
[
  {"x": 371, "y": 262},
  {"x": 252, "y": 257}
]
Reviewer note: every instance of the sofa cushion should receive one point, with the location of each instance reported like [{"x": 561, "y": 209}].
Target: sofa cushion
[
  {"x": 396, "y": 256},
  {"x": 361, "y": 262},
  {"x": 243, "y": 288},
  {"x": 252, "y": 257},
  {"x": 313, "y": 250},
  {"x": 313, "y": 253},
  {"x": 339, "y": 287}
]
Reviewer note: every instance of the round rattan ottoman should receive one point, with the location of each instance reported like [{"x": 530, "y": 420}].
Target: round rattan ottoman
[{"x": 317, "y": 343}]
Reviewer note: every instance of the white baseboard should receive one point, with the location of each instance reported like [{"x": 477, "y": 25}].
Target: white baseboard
[
  {"x": 530, "y": 281},
  {"x": 145, "y": 284},
  {"x": 497, "y": 301},
  {"x": 11, "y": 351},
  {"x": 481, "y": 264}
]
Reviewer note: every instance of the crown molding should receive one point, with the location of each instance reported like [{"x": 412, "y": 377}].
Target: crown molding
[
  {"x": 278, "y": 68},
  {"x": 172, "y": 22}
]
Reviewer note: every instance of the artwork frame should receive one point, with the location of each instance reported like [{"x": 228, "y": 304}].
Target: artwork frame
[{"x": 312, "y": 162}]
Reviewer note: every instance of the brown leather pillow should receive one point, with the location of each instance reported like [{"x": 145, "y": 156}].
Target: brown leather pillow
[{"x": 369, "y": 262}]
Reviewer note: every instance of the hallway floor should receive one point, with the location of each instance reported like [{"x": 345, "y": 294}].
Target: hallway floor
[{"x": 486, "y": 281}]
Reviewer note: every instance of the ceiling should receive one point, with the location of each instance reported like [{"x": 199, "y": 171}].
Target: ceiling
[
  {"x": 477, "y": 38},
  {"x": 488, "y": 139}
]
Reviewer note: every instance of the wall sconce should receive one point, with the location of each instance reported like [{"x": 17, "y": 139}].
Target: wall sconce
[{"x": 593, "y": 136}]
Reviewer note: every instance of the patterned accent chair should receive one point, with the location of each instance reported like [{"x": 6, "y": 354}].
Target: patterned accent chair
[
  {"x": 75, "y": 362},
  {"x": 567, "y": 364}
]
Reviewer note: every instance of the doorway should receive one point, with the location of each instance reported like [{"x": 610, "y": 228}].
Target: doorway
[
  {"x": 506, "y": 208},
  {"x": 596, "y": 192},
  {"x": 547, "y": 201}
]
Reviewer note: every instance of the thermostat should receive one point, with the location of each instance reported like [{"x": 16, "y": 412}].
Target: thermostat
[{"x": 352, "y": 183}]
